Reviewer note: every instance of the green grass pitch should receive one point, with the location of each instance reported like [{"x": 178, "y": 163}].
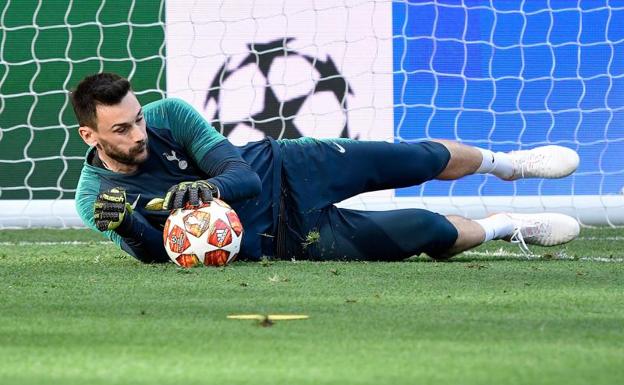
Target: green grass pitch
[{"x": 83, "y": 313}]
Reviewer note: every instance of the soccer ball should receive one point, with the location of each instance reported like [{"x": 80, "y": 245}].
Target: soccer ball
[{"x": 209, "y": 235}]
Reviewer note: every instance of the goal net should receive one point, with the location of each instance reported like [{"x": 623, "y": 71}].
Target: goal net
[
  {"x": 46, "y": 47},
  {"x": 503, "y": 75}
]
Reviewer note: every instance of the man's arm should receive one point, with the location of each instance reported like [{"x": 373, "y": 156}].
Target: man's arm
[
  {"x": 232, "y": 175},
  {"x": 129, "y": 230},
  {"x": 142, "y": 240},
  {"x": 212, "y": 152}
]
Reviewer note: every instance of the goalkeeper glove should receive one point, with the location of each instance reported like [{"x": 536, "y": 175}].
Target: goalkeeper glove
[
  {"x": 110, "y": 208},
  {"x": 177, "y": 196}
]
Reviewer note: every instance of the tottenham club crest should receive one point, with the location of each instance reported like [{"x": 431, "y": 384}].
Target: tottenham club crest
[
  {"x": 182, "y": 164},
  {"x": 279, "y": 92}
]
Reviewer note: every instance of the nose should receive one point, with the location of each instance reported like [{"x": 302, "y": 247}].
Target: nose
[{"x": 138, "y": 135}]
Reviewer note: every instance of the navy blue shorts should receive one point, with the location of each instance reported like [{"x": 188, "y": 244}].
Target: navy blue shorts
[{"x": 318, "y": 173}]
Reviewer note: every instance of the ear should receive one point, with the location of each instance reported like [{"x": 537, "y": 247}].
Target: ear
[{"x": 88, "y": 134}]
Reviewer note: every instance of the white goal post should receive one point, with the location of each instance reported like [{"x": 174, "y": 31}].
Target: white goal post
[
  {"x": 503, "y": 75},
  {"x": 592, "y": 210}
]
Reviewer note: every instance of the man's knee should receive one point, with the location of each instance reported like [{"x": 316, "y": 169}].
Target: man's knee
[
  {"x": 444, "y": 235},
  {"x": 464, "y": 160},
  {"x": 469, "y": 234}
]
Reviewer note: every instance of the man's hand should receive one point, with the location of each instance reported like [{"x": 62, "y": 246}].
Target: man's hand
[
  {"x": 190, "y": 192},
  {"x": 110, "y": 209}
]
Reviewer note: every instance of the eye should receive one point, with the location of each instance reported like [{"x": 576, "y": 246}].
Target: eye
[{"x": 140, "y": 118}]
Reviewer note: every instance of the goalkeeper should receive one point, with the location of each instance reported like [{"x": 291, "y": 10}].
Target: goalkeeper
[{"x": 285, "y": 190}]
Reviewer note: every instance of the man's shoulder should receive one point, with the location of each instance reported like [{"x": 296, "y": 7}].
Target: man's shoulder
[
  {"x": 164, "y": 105},
  {"x": 170, "y": 114}
]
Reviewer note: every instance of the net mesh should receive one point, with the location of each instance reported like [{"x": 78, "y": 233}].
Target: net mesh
[
  {"x": 511, "y": 75},
  {"x": 46, "y": 47},
  {"x": 504, "y": 75},
  {"x": 499, "y": 74}
]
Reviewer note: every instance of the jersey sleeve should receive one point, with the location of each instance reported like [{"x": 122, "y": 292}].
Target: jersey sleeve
[
  {"x": 210, "y": 150},
  {"x": 135, "y": 235},
  {"x": 86, "y": 194}
]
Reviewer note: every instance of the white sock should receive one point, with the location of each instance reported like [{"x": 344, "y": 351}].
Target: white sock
[
  {"x": 496, "y": 163},
  {"x": 496, "y": 226}
]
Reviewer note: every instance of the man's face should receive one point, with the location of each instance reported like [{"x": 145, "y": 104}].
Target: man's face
[{"x": 121, "y": 133}]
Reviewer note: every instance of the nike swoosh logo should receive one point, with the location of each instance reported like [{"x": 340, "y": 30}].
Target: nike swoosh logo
[
  {"x": 134, "y": 205},
  {"x": 340, "y": 148}
]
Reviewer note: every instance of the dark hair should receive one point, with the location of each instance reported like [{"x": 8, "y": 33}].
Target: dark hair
[{"x": 100, "y": 89}]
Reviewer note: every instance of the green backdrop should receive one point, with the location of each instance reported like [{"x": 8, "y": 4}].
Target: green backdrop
[{"x": 46, "y": 47}]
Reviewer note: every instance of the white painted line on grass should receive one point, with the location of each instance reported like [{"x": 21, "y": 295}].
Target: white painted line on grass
[
  {"x": 65, "y": 243},
  {"x": 556, "y": 257},
  {"x": 616, "y": 238}
]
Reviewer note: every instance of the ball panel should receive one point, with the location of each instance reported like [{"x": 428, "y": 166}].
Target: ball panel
[
  {"x": 232, "y": 257},
  {"x": 178, "y": 241},
  {"x": 235, "y": 223},
  {"x": 217, "y": 257},
  {"x": 166, "y": 230},
  {"x": 187, "y": 260},
  {"x": 220, "y": 234},
  {"x": 197, "y": 222}
]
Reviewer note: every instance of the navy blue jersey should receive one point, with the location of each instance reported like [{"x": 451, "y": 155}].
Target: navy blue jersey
[{"x": 184, "y": 147}]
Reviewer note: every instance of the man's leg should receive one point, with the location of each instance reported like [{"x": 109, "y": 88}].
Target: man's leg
[
  {"x": 464, "y": 160},
  {"x": 544, "y": 229},
  {"x": 331, "y": 170},
  {"x": 391, "y": 235},
  {"x": 469, "y": 234},
  {"x": 394, "y": 235},
  {"x": 541, "y": 162},
  {"x": 320, "y": 173}
]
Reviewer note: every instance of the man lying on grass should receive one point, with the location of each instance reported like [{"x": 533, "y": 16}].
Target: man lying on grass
[{"x": 283, "y": 190}]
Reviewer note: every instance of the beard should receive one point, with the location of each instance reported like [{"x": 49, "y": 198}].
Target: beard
[{"x": 133, "y": 157}]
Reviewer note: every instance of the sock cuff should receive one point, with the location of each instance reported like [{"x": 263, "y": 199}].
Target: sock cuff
[
  {"x": 496, "y": 163},
  {"x": 488, "y": 161},
  {"x": 487, "y": 228},
  {"x": 496, "y": 226}
]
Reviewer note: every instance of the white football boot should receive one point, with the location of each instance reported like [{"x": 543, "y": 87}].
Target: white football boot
[
  {"x": 543, "y": 162},
  {"x": 543, "y": 229}
]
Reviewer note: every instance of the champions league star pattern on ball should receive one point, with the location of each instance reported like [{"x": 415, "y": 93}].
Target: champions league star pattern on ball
[{"x": 279, "y": 114}]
